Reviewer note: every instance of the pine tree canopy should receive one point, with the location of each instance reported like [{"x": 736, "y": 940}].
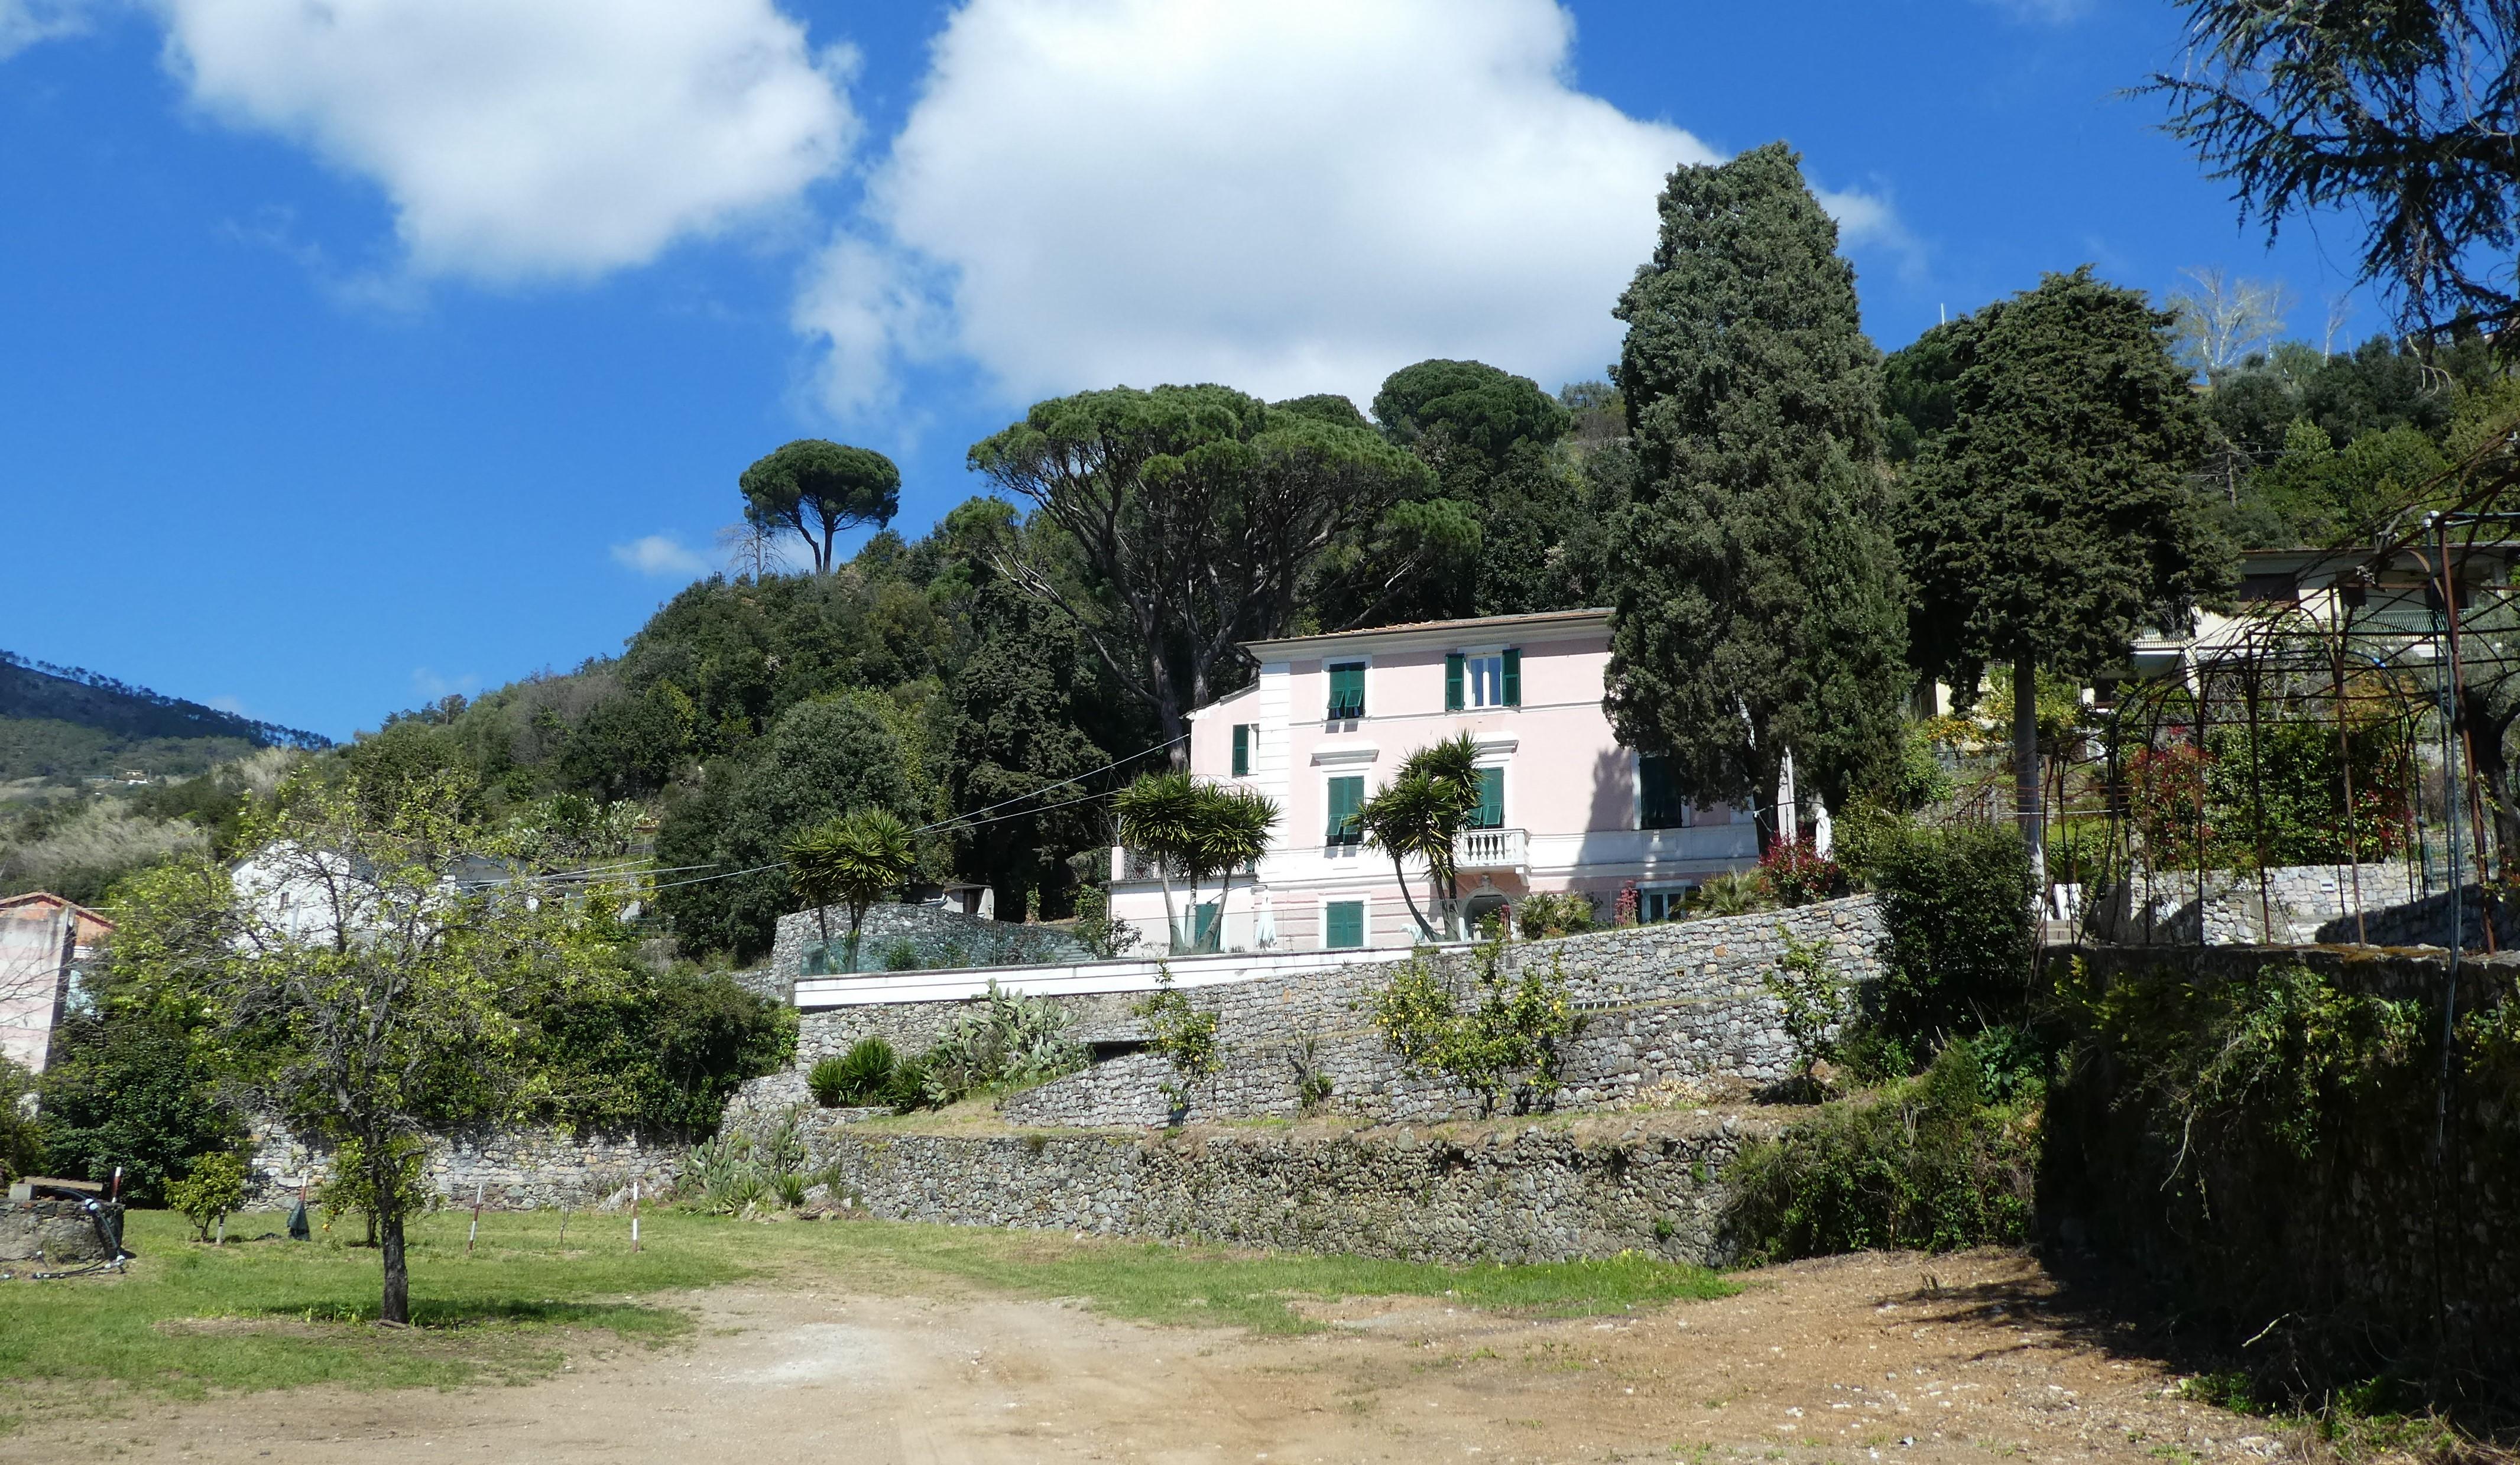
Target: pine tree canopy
[
  {"x": 2054, "y": 518},
  {"x": 1756, "y": 599}
]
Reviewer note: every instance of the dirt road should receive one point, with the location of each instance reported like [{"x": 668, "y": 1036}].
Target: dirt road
[{"x": 1854, "y": 1359}]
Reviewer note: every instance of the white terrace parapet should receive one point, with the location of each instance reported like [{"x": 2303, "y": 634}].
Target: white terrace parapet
[{"x": 1077, "y": 979}]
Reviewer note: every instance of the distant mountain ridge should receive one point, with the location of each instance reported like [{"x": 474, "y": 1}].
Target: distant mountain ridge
[{"x": 47, "y": 703}]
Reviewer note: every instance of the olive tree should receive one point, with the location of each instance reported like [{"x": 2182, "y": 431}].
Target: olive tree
[{"x": 363, "y": 978}]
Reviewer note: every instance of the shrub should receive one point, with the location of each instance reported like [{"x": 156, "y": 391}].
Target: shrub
[
  {"x": 352, "y": 1188},
  {"x": 860, "y": 1076},
  {"x": 1957, "y": 903},
  {"x": 21, "y": 1140},
  {"x": 1183, "y": 1034},
  {"x": 1102, "y": 934},
  {"x": 1009, "y": 1040},
  {"x": 214, "y": 1188},
  {"x": 746, "y": 1165},
  {"x": 901, "y": 956},
  {"x": 1544, "y": 914},
  {"x": 1810, "y": 995},
  {"x": 1930, "y": 1162},
  {"x": 130, "y": 1088},
  {"x": 1734, "y": 893},
  {"x": 1494, "y": 1037},
  {"x": 1796, "y": 872}
]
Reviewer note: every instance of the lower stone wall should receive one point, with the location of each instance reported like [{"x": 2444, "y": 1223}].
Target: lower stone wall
[
  {"x": 2381, "y": 1235},
  {"x": 512, "y": 1170},
  {"x": 1509, "y": 1195}
]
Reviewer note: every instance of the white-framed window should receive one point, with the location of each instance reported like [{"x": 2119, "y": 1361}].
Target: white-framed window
[
  {"x": 1347, "y": 922},
  {"x": 1656, "y": 904},
  {"x": 1483, "y": 681}
]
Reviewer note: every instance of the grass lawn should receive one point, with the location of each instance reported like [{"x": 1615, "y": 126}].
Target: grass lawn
[{"x": 273, "y": 1315}]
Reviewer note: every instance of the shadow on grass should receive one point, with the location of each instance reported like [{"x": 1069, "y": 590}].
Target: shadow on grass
[{"x": 450, "y": 1314}]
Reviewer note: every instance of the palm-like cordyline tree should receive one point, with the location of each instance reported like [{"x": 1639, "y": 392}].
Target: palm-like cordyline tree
[
  {"x": 1158, "y": 817},
  {"x": 1229, "y": 830},
  {"x": 854, "y": 860},
  {"x": 1419, "y": 815}
]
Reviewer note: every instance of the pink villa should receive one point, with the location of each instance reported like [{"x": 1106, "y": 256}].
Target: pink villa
[{"x": 1329, "y": 719}]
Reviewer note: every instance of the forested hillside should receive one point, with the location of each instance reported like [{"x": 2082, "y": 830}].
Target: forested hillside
[
  {"x": 945, "y": 675},
  {"x": 67, "y": 722}
]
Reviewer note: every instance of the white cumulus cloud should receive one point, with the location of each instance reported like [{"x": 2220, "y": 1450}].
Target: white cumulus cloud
[
  {"x": 662, "y": 555},
  {"x": 1290, "y": 196},
  {"x": 556, "y": 137}
]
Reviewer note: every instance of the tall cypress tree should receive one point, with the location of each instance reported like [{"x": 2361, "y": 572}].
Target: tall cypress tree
[
  {"x": 2053, "y": 518},
  {"x": 1755, "y": 592}
]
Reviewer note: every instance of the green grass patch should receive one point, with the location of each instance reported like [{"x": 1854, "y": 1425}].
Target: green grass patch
[
  {"x": 186, "y": 1318},
  {"x": 1175, "y": 1284}
]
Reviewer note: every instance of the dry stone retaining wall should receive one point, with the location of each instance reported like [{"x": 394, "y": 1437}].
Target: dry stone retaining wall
[
  {"x": 1666, "y": 1007},
  {"x": 512, "y": 1169},
  {"x": 1527, "y": 1195}
]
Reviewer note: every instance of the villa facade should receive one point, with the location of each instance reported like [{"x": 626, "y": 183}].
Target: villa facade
[{"x": 1327, "y": 722}]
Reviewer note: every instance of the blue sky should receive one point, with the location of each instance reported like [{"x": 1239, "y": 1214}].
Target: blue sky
[{"x": 354, "y": 354}]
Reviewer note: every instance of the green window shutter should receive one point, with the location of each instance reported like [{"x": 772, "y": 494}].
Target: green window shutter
[
  {"x": 1347, "y": 692},
  {"x": 1347, "y": 795},
  {"x": 1242, "y": 750},
  {"x": 1453, "y": 683},
  {"x": 1659, "y": 801},
  {"x": 1513, "y": 678},
  {"x": 1491, "y": 811},
  {"x": 1206, "y": 924},
  {"x": 1343, "y": 924}
]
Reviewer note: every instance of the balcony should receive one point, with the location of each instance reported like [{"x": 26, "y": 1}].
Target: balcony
[{"x": 1490, "y": 849}]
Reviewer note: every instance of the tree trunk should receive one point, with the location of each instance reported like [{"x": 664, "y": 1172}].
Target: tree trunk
[
  {"x": 2028, "y": 790},
  {"x": 1402, "y": 875},
  {"x": 382, "y": 1173}
]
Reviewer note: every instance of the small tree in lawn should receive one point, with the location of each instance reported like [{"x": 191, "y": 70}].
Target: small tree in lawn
[
  {"x": 1419, "y": 815},
  {"x": 345, "y": 982},
  {"x": 1228, "y": 829},
  {"x": 206, "y": 1197},
  {"x": 854, "y": 860},
  {"x": 1158, "y": 817}
]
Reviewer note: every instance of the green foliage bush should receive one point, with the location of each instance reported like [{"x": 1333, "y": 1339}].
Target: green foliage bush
[
  {"x": 1183, "y": 1036},
  {"x": 353, "y": 1186},
  {"x": 21, "y": 1137},
  {"x": 860, "y": 1076},
  {"x": 211, "y": 1192},
  {"x": 1931, "y": 1163},
  {"x": 1957, "y": 903},
  {"x": 1499, "y": 1038},
  {"x": 1009, "y": 1040},
  {"x": 1810, "y": 994},
  {"x": 760, "y": 1163},
  {"x": 1542, "y": 914},
  {"x": 127, "y": 1088},
  {"x": 2279, "y": 1054},
  {"x": 663, "y": 1051}
]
